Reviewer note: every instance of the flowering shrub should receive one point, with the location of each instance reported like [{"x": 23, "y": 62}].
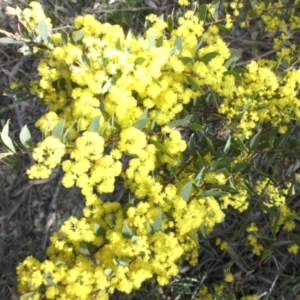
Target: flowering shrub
[{"x": 138, "y": 112}]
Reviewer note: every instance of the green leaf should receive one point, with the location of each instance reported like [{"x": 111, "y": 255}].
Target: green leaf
[
  {"x": 6, "y": 139},
  {"x": 6, "y": 40},
  {"x": 25, "y": 137},
  {"x": 108, "y": 122},
  {"x": 157, "y": 225},
  {"x": 150, "y": 228},
  {"x": 109, "y": 272},
  {"x": 49, "y": 279},
  {"x": 65, "y": 37},
  {"x": 78, "y": 36},
  {"x": 95, "y": 124},
  {"x": 25, "y": 50},
  {"x": 241, "y": 144},
  {"x": 126, "y": 207},
  {"x": 236, "y": 75},
  {"x": 151, "y": 40},
  {"x": 208, "y": 57},
  {"x": 224, "y": 163},
  {"x": 224, "y": 28},
  {"x": 128, "y": 40},
  {"x": 191, "y": 144},
  {"x": 154, "y": 120},
  {"x": 210, "y": 146},
  {"x": 282, "y": 243},
  {"x": 275, "y": 226},
  {"x": 215, "y": 5},
  {"x": 27, "y": 295},
  {"x": 225, "y": 188},
  {"x": 66, "y": 133},
  {"x": 185, "y": 60},
  {"x": 249, "y": 187},
  {"x": 183, "y": 122},
  {"x": 118, "y": 45},
  {"x": 139, "y": 60},
  {"x": 267, "y": 3},
  {"x": 170, "y": 23},
  {"x": 254, "y": 141},
  {"x": 227, "y": 145},
  {"x": 126, "y": 230},
  {"x": 134, "y": 238},
  {"x": 202, "y": 230},
  {"x": 99, "y": 230},
  {"x": 295, "y": 238},
  {"x": 47, "y": 127},
  {"x": 42, "y": 26},
  {"x": 110, "y": 82},
  {"x": 196, "y": 126},
  {"x": 115, "y": 260},
  {"x": 246, "y": 106},
  {"x": 161, "y": 147},
  {"x": 123, "y": 261},
  {"x": 202, "y": 12},
  {"x": 194, "y": 237},
  {"x": 84, "y": 248},
  {"x": 144, "y": 114},
  {"x": 101, "y": 293},
  {"x": 230, "y": 61},
  {"x": 266, "y": 254},
  {"x": 160, "y": 41},
  {"x": 193, "y": 84},
  {"x": 156, "y": 81},
  {"x": 178, "y": 44},
  {"x": 213, "y": 193},
  {"x": 186, "y": 191},
  {"x": 199, "y": 177},
  {"x": 200, "y": 161},
  {"x": 232, "y": 184},
  {"x": 240, "y": 71},
  {"x": 84, "y": 60},
  {"x": 58, "y": 129},
  {"x": 140, "y": 124},
  {"x": 253, "y": 3},
  {"x": 215, "y": 164},
  {"x": 195, "y": 56},
  {"x": 269, "y": 134}
]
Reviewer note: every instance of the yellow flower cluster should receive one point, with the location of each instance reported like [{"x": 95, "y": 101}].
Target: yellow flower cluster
[
  {"x": 229, "y": 277},
  {"x": 276, "y": 20},
  {"x": 48, "y": 155},
  {"x": 223, "y": 245},
  {"x": 293, "y": 248},
  {"x": 117, "y": 96},
  {"x": 263, "y": 98},
  {"x": 286, "y": 219},
  {"x": 272, "y": 194},
  {"x": 33, "y": 15},
  {"x": 257, "y": 248}
]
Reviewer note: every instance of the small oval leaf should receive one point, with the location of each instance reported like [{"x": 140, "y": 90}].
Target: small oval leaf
[
  {"x": 6, "y": 139},
  {"x": 186, "y": 191},
  {"x": 58, "y": 129},
  {"x": 25, "y": 137}
]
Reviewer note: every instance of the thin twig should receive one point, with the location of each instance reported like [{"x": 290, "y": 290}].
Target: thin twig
[
  {"x": 255, "y": 58},
  {"x": 51, "y": 218}
]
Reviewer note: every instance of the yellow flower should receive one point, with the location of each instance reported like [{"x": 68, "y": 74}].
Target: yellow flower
[{"x": 229, "y": 277}]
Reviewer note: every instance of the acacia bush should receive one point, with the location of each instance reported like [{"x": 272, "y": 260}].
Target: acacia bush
[{"x": 165, "y": 134}]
